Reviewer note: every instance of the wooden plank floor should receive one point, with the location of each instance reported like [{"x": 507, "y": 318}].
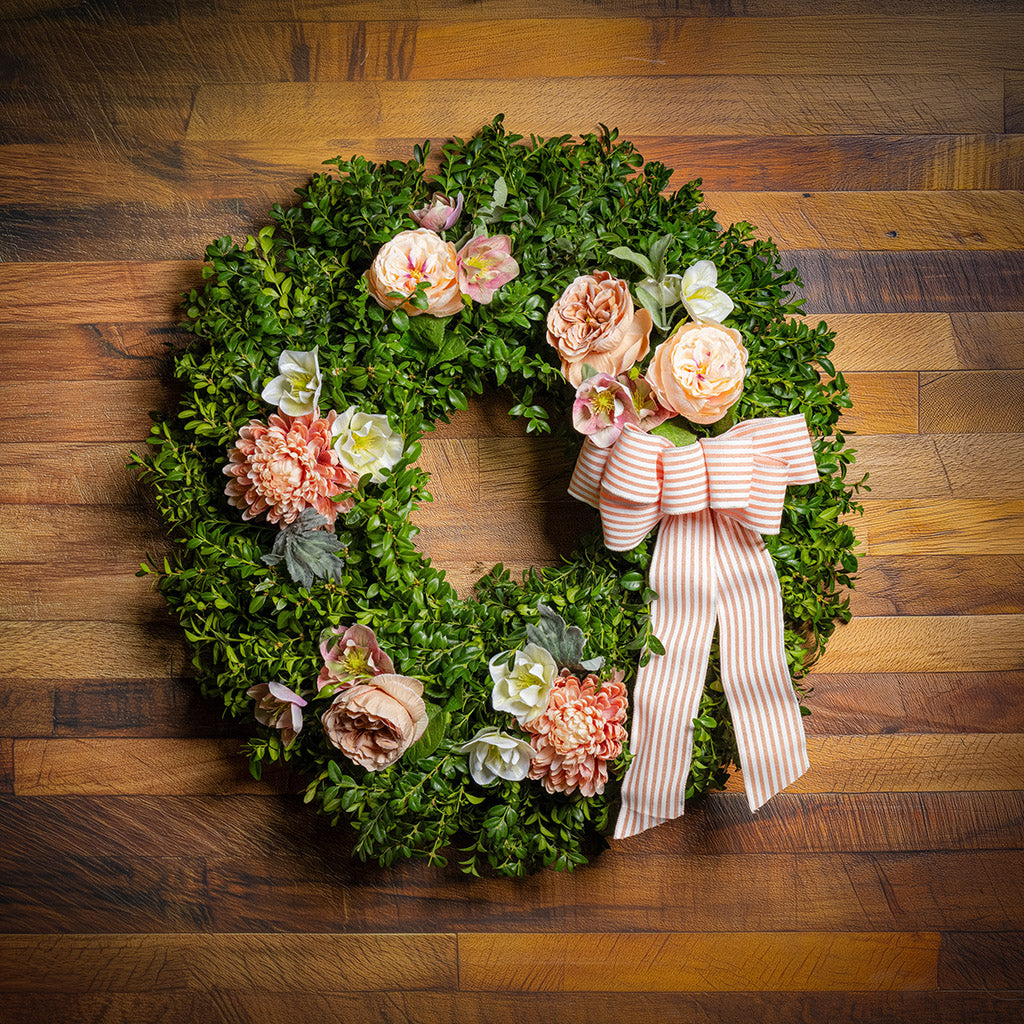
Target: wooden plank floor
[{"x": 145, "y": 877}]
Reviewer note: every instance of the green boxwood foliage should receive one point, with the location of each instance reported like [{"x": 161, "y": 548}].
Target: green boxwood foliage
[{"x": 298, "y": 283}]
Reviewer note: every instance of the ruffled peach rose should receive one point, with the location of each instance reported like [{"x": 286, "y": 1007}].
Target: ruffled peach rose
[
  {"x": 594, "y": 323},
  {"x": 698, "y": 372},
  {"x": 409, "y": 258},
  {"x": 375, "y": 723}
]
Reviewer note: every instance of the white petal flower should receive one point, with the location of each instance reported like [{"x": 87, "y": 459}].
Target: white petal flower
[
  {"x": 523, "y": 689},
  {"x": 366, "y": 443},
  {"x": 296, "y": 389},
  {"x": 494, "y": 755},
  {"x": 667, "y": 290},
  {"x": 701, "y": 296}
]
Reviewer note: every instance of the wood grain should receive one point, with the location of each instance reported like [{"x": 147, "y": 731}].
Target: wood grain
[
  {"x": 249, "y": 963},
  {"x": 724, "y": 962},
  {"x": 927, "y": 341},
  {"x": 919, "y": 585},
  {"x": 952, "y": 526},
  {"x": 877, "y": 221},
  {"x": 716, "y": 105},
  {"x": 256, "y": 52},
  {"x": 980, "y": 402},
  {"x": 965, "y": 643}
]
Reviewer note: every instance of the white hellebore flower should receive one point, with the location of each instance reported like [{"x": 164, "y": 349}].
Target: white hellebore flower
[
  {"x": 700, "y": 295},
  {"x": 523, "y": 689},
  {"x": 366, "y": 443},
  {"x": 494, "y": 754},
  {"x": 296, "y": 389}
]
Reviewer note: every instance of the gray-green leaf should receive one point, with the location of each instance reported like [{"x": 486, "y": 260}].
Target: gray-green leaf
[{"x": 307, "y": 550}]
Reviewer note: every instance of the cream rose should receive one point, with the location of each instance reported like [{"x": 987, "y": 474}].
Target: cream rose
[
  {"x": 698, "y": 372},
  {"x": 374, "y": 723},
  {"x": 409, "y": 258},
  {"x": 594, "y": 323}
]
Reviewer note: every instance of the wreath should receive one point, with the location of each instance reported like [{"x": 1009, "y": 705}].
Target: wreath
[{"x": 496, "y": 727}]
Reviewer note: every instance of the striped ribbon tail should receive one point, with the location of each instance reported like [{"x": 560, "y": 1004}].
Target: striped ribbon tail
[{"x": 713, "y": 500}]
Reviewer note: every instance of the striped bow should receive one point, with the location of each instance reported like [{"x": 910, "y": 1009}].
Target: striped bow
[{"x": 713, "y": 499}]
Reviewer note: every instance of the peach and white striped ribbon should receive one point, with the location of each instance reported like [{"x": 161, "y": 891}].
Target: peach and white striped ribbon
[{"x": 714, "y": 499}]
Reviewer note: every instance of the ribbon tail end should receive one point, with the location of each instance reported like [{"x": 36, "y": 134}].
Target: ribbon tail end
[{"x": 757, "y": 799}]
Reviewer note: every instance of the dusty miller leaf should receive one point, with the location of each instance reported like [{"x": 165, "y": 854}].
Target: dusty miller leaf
[
  {"x": 564, "y": 643},
  {"x": 307, "y": 551}
]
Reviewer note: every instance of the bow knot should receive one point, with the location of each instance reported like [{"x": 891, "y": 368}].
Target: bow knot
[{"x": 713, "y": 498}]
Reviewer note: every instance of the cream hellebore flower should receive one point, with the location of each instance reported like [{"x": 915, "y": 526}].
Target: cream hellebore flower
[
  {"x": 296, "y": 389},
  {"x": 699, "y": 293},
  {"x": 494, "y": 755},
  {"x": 523, "y": 689},
  {"x": 365, "y": 443}
]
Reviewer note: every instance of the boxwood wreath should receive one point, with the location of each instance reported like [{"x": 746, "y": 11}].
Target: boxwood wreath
[{"x": 263, "y": 605}]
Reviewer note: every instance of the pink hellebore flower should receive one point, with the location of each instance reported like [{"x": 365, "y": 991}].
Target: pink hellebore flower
[
  {"x": 354, "y": 658},
  {"x": 605, "y": 404},
  {"x": 439, "y": 214},
  {"x": 485, "y": 264},
  {"x": 279, "y": 708}
]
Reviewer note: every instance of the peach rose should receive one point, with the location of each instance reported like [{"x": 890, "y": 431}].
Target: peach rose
[
  {"x": 375, "y": 723},
  {"x": 594, "y": 322},
  {"x": 409, "y": 258},
  {"x": 698, "y": 372}
]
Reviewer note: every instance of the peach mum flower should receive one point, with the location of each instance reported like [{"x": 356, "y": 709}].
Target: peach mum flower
[
  {"x": 578, "y": 734},
  {"x": 285, "y": 466}
]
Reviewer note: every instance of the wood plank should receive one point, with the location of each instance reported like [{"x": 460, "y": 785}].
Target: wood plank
[
  {"x": 70, "y": 473},
  {"x": 926, "y": 643},
  {"x": 927, "y": 341},
  {"x": 836, "y": 221},
  {"x": 922, "y": 585},
  {"x": 941, "y": 643},
  {"x": 947, "y": 526},
  {"x": 878, "y": 220},
  {"x": 732, "y": 962},
  {"x": 261, "y": 173},
  {"x": 99, "y": 537},
  {"x": 979, "y": 960},
  {"x": 65, "y": 593},
  {"x": 63, "y": 293},
  {"x": 229, "y": 12},
  {"x": 116, "y": 410},
  {"x": 229, "y": 963},
  {"x": 93, "y": 894},
  {"x": 981, "y": 401},
  {"x": 898, "y": 764},
  {"x": 89, "y": 351},
  {"x": 26, "y": 709},
  {"x": 883, "y": 403},
  {"x": 242, "y": 829},
  {"x": 923, "y": 702},
  {"x": 257, "y": 51},
  {"x": 400, "y": 1007},
  {"x": 909, "y": 282},
  {"x": 193, "y": 766},
  {"x": 717, "y": 105},
  {"x": 941, "y": 465},
  {"x": 103, "y": 650},
  {"x": 151, "y": 766},
  {"x": 132, "y": 231}
]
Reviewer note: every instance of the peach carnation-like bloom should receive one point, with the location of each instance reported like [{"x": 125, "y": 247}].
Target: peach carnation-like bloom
[
  {"x": 698, "y": 372},
  {"x": 410, "y": 258},
  {"x": 594, "y": 323},
  {"x": 375, "y": 723},
  {"x": 581, "y": 730},
  {"x": 285, "y": 466}
]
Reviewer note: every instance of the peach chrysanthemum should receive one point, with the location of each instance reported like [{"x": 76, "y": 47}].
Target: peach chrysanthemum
[
  {"x": 581, "y": 730},
  {"x": 285, "y": 466}
]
